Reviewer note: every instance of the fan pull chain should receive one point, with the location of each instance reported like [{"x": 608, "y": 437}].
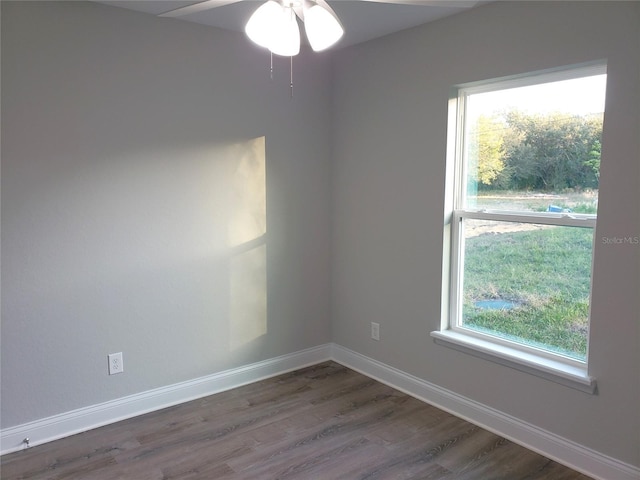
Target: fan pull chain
[{"x": 290, "y": 72}]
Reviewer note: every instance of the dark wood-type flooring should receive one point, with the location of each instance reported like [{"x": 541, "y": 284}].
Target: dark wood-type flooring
[{"x": 321, "y": 422}]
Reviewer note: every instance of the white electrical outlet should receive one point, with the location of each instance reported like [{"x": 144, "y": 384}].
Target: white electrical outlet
[
  {"x": 115, "y": 363},
  {"x": 375, "y": 331}
]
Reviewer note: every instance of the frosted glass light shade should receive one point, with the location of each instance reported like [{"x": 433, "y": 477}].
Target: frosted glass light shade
[
  {"x": 322, "y": 27},
  {"x": 261, "y": 25},
  {"x": 285, "y": 40},
  {"x": 275, "y": 27}
]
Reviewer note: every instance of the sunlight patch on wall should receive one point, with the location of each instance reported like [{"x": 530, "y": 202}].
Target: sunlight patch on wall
[{"x": 247, "y": 239}]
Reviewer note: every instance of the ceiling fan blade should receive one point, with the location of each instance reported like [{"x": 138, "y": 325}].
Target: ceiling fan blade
[
  {"x": 431, "y": 3},
  {"x": 196, "y": 7}
]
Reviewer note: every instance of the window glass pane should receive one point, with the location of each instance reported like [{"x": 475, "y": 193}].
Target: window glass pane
[
  {"x": 535, "y": 148},
  {"x": 529, "y": 283}
]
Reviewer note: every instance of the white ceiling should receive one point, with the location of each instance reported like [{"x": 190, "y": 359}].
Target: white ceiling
[{"x": 362, "y": 20}]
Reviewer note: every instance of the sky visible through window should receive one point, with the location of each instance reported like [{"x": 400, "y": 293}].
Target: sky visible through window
[{"x": 580, "y": 96}]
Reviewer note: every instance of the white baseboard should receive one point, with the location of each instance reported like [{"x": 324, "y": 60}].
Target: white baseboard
[
  {"x": 566, "y": 452},
  {"x": 83, "y": 419}
]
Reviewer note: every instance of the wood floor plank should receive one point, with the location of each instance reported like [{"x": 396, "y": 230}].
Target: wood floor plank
[{"x": 322, "y": 422}]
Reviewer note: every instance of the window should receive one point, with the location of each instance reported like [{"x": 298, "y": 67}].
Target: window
[{"x": 524, "y": 160}]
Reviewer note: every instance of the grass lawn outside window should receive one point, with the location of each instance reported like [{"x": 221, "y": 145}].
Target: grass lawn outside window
[{"x": 529, "y": 283}]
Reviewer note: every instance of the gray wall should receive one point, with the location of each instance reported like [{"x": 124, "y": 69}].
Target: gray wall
[
  {"x": 390, "y": 111},
  {"x": 127, "y": 180}
]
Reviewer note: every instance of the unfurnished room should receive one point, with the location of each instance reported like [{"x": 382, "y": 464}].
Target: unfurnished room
[{"x": 313, "y": 239}]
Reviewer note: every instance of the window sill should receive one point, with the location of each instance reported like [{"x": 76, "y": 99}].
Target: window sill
[{"x": 553, "y": 370}]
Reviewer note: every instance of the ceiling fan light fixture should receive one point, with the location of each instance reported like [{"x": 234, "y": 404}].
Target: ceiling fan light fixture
[
  {"x": 274, "y": 26},
  {"x": 322, "y": 26}
]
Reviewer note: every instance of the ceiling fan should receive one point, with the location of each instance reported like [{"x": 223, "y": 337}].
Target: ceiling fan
[{"x": 274, "y": 24}]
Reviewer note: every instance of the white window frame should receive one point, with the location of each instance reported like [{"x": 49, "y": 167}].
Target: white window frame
[{"x": 538, "y": 361}]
